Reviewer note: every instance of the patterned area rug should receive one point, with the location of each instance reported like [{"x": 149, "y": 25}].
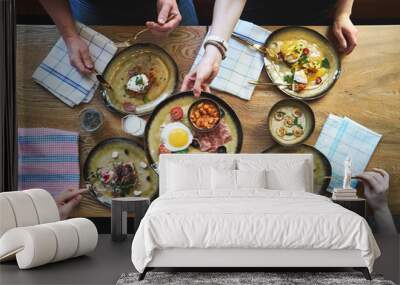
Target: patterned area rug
[{"x": 244, "y": 278}]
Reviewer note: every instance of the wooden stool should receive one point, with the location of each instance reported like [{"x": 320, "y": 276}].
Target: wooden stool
[{"x": 119, "y": 215}]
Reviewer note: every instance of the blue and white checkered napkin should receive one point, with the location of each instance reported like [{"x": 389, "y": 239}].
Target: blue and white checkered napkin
[
  {"x": 241, "y": 64},
  {"x": 342, "y": 137},
  {"x": 57, "y": 75}
]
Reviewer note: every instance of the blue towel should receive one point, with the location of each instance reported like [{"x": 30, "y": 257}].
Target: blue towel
[
  {"x": 342, "y": 137},
  {"x": 242, "y": 63},
  {"x": 57, "y": 75}
]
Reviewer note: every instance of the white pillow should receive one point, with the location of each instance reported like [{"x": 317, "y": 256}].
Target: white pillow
[
  {"x": 293, "y": 178},
  {"x": 292, "y": 171},
  {"x": 251, "y": 178},
  {"x": 223, "y": 179},
  {"x": 199, "y": 160},
  {"x": 182, "y": 177}
]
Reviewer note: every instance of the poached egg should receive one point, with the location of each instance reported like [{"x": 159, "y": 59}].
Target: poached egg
[
  {"x": 138, "y": 83},
  {"x": 300, "y": 76}
]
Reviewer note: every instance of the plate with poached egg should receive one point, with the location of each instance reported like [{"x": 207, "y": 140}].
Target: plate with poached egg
[{"x": 141, "y": 76}]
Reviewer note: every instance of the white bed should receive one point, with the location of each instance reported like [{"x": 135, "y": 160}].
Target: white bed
[{"x": 248, "y": 227}]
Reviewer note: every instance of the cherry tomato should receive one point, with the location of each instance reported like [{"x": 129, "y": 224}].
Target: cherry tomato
[
  {"x": 301, "y": 86},
  {"x": 318, "y": 80},
  {"x": 306, "y": 51},
  {"x": 176, "y": 113}
]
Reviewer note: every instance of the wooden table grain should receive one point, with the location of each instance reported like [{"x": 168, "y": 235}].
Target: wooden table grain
[{"x": 368, "y": 92}]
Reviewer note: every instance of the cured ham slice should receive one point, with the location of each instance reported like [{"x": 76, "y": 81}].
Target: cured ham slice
[{"x": 210, "y": 141}]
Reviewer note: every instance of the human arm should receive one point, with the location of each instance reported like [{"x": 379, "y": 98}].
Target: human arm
[
  {"x": 67, "y": 200},
  {"x": 166, "y": 9},
  {"x": 343, "y": 28},
  {"x": 78, "y": 52},
  {"x": 376, "y": 186},
  {"x": 225, "y": 17}
]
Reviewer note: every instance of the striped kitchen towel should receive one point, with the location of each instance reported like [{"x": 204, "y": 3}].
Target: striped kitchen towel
[
  {"x": 48, "y": 159},
  {"x": 342, "y": 137},
  {"x": 57, "y": 75},
  {"x": 241, "y": 64}
]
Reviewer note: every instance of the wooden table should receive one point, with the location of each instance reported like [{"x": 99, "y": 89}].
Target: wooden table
[{"x": 368, "y": 91}]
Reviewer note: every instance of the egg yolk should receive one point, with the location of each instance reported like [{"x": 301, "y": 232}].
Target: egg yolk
[{"x": 178, "y": 138}]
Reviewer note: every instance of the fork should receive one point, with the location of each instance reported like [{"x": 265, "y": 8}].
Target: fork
[
  {"x": 259, "y": 83},
  {"x": 257, "y": 46},
  {"x": 131, "y": 41}
]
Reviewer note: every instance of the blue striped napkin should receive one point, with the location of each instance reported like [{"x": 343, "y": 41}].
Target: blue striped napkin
[
  {"x": 241, "y": 64},
  {"x": 48, "y": 159},
  {"x": 342, "y": 137},
  {"x": 57, "y": 75}
]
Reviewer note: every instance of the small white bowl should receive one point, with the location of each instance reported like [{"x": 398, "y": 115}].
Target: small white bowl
[{"x": 133, "y": 125}]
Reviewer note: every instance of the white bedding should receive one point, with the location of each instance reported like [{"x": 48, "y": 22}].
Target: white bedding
[{"x": 251, "y": 218}]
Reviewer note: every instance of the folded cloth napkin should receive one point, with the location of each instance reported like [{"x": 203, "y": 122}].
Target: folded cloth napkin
[
  {"x": 57, "y": 75},
  {"x": 342, "y": 137},
  {"x": 48, "y": 159},
  {"x": 241, "y": 64}
]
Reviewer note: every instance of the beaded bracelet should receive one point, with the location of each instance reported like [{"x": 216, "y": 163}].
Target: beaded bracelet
[{"x": 218, "y": 45}]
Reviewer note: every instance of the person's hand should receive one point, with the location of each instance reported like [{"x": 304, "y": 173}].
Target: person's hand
[
  {"x": 67, "y": 200},
  {"x": 345, "y": 33},
  {"x": 376, "y": 186},
  {"x": 167, "y": 9},
  {"x": 78, "y": 53},
  {"x": 200, "y": 78}
]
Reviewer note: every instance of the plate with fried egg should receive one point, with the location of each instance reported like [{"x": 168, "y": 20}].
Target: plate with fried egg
[{"x": 172, "y": 127}]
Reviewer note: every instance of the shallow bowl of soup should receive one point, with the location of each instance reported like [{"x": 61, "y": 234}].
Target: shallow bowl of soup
[{"x": 291, "y": 122}]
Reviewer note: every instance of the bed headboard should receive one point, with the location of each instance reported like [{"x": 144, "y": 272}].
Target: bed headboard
[{"x": 210, "y": 159}]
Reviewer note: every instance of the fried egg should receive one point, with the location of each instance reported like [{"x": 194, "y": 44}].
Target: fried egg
[{"x": 176, "y": 136}]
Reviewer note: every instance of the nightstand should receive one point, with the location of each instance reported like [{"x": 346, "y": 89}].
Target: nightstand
[{"x": 358, "y": 206}]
